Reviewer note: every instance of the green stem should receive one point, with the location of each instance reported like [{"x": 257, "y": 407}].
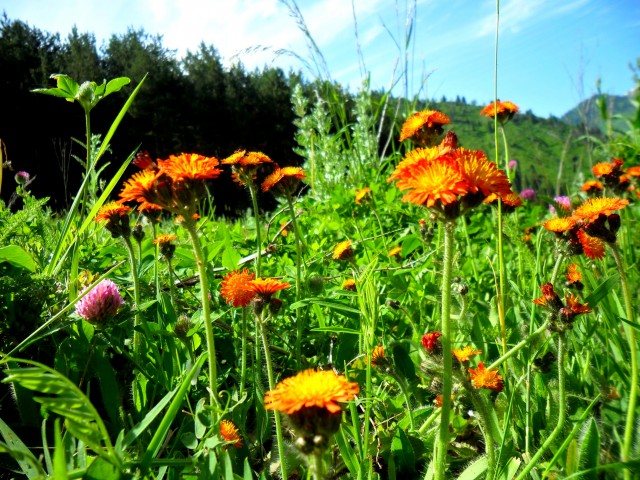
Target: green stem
[
  {"x": 256, "y": 213},
  {"x": 137, "y": 339},
  {"x": 260, "y": 321},
  {"x": 243, "y": 358},
  {"x": 317, "y": 466},
  {"x": 405, "y": 394},
  {"x": 469, "y": 250},
  {"x": 442, "y": 441},
  {"x": 562, "y": 407},
  {"x": 190, "y": 226},
  {"x": 171, "y": 284},
  {"x": 517, "y": 347},
  {"x": 298, "y": 279},
  {"x": 556, "y": 268},
  {"x": 506, "y": 152},
  {"x": 87, "y": 123},
  {"x": 480, "y": 404},
  {"x": 631, "y": 337}
]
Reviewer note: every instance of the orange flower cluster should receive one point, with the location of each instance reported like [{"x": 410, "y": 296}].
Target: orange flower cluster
[
  {"x": 175, "y": 184},
  {"x": 562, "y": 315},
  {"x": 116, "y": 217},
  {"x": 240, "y": 288},
  {"x": 230, "y": 433},
  {"x": 589, "y": 225},
  {"x": 285, "y": 179},
  {"x": 444, "y": 178},
  {"x": 464, "y": 354},
  {"x": 363, "y": 195},
  {"x": 245, "y": 165},
  {"x": 343, "y": 251}
]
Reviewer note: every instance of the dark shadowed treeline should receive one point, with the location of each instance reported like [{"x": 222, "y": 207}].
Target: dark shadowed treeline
[{"x": 192, "y": 104}]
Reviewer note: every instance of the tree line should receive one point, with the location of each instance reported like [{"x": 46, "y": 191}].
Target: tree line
[{"x": 188, "y": 104}]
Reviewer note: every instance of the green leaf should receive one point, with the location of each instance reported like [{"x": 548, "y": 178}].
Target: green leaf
[
  {"x": 474, "y": 471},
  {"x": 29, "y": 464},
  {"x": 347, "y": 452},
  {"x": 230, "y": 258},
  {"x": 601, "y": 291},
  {"x": 589, "y": 457},
  {"x": 402, "y": 452},
  {"x": 59, "y": 460},
  {"x": 115, "y": 85},
  {"x": 100, "y": 469},
  {"x": 18, "y": 257},
  {"x": 403, "y": 362},
  {"x": 67, "y": 88},
  {"x": 67, "y": 400},
  {"x": 330, "y": 303}
]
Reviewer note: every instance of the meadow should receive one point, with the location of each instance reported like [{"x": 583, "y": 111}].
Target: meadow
[{"x": 403, "y": 312}]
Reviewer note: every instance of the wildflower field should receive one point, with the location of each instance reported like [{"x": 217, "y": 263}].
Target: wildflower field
[{"x": 402, "y": 313}]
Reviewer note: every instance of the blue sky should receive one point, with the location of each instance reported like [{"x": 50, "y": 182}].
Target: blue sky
[{"x": 551, "y": 52}]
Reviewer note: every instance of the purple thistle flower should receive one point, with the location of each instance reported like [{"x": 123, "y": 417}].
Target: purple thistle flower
[
  {"x": 101, "y": 303},
  {"x": 528, "y": 194},
  {"x": 563, "y": 201},
  {"x": 22, "y": 177}
]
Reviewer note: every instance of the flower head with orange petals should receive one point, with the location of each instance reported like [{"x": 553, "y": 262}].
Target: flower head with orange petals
[
  {"x": 245, "y": 165},
  {"x": 230, "y": 433},
  {"x": 592, "y": 187},
  {"x": 285, "y": 179},
  {"x": 464, "y": 354},
  {"x": 236, "y": 288},
  {"x": 190, "y": 167},
  {"x": 343, "y": 251},
  {"x": 424, "y": 127},
  {"x": 363, "y": 195},
  {"x": 349, "y": 284},
  {"x": 573, "y": 275},
  {"x": 116, "y": 216},
  {"x": 594, "y": 207},
  {"x": 378, "y": 358},
  {"x": 483, "y": 378},
  {"x": 311, "y": 388},
  {"x": 266, "y": 287},
  {"x": 504, "y": 110},
  {"x": 430, "y": 342},
  {"x": 592, "y": 247}
]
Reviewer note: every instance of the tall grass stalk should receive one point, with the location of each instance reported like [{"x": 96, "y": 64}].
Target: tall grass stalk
[
  {"x": 256, "y": 214},
  {"x": 630, "y": 423},
  {"x": 190, "y": 227},
  {"x": 442, "y": 442}
]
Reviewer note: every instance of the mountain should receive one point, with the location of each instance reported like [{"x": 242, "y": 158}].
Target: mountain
[{"x": 593, "y": 108}]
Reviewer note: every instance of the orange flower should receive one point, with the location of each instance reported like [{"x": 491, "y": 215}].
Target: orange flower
[
  {"x": 633, "y": 171},
  {"x": 265, "y": 287},
  {"x": 143, "y": 161},
  {"x": 394, "y": 252},
  {"x": 164, "y": 238},
  {"x": 377, "y": 356},
  {"x": 236, "y": 288},
  {"x": 560, "y": 224},
  {"x": 601, "y": 169},
  {"x": 139, "y": 187},
  {"x": 323, "y": 389},
  {"x": 504, "y": 110},
  {"x": 481, "y": 174},
  {"x": 349, "y": 284},
  {"x": 343, "y": 251},
  {"x": 573, "y": 275},
  {"x": 592, "y": 186},
  {"x": 230, "y": 433},
  {"x": 593, "y": 247},
  {"x": 111, "y": 212},
  {"x": 464, "y": 354},
  {"x": 244, "y": 158},
  {"x": 549, "y": 297},
  {"x": 574, "y": 307},
  {"x": 404, "y": 169},
  {"x": 430, "y": 342},
  {"x": 421, "y": 122},
  {"x": 594, "y": 207},
  {"x": 483, "y": 378},
  {"x": 438, "y": 180},
  {"x": 286, "y": 178},
  {"x": 362, "y": 194},
  {"x": 190, "y": 166}
]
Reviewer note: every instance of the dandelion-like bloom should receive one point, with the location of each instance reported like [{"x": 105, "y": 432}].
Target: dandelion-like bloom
[
  {"x": 504, "y": 110},
  {"x": 573, "y": 275},
  {"x": 633, "y": 171},
  {"x": 190, "y": 166},
  {"x": 265, "y": 287},
  {"x": 164, "y": 238},
  {"x": 601, "y": 169},
  {"x": 594, "y": 207},
  {"x": 363, "y": 194},
  {"x": 528, "y": 194},
  {"x": 237, "y": 289},
  {"x": 343, "y": 251},
  {"x": 464, "y": 354},
  {"x": 139, "y": 187},
  {"x": 101, "y": 303},
  {"x": 592, "y": 186},
  {"x": 560, "y": 224},
  {"x": 143, "y": 160},
  {"x": 481, "y": 174},
  {"x": 116, "y": 217},
  {"x": 285, "y": 178},
  {"x": 377, "y": 356},
  {"x": 394, "y": 252},
  {"x": 592, "y": 247},
  {"x": 416, "y": 157},
  {"x": 573, "y": 306},
  {"x": 430, "y": 341},
  {"x": 245, "y": 165},
  {"x": 311, "y": 388},
  {"x": 439, "y": 180},
  {"x": 349, "y": 284},
  {"x": 483, "y": 378},
  {"x": 549, "y": 297},
  {"x": 230, "y": 433},
  {"x": 423, "y": 126}
]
